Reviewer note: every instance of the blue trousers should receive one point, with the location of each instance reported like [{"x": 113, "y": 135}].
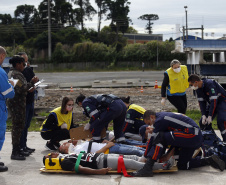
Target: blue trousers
[
  {"x": 220, "y": 112},
  {"x": 187, "y": 143},
  {"x": 3, "y": 118},
  {"x": 117, "y": 113},
  {"x": 134, "y": 142},
  {"x": 29, "y": 115},
  {"x": 126, "y": 150}
]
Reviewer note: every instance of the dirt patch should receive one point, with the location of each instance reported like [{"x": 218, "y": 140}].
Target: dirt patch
[{"x": 149, "y": 99}]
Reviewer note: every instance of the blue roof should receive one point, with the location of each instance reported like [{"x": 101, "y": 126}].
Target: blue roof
[{"x": 190, "y": 37}]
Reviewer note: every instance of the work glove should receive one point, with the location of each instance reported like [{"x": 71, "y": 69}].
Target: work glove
[
  {"x": 203, "y": 119},
  {"x": 163, "y": 101},
  {"x": 209, "y": 120},
  {"x": 87, "y": 126},
  {"x": 64, "y": 126}
]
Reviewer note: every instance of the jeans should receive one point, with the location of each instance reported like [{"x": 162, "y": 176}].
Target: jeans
[
  {"x": 126, "y": 150},
  {"x": 29, "y": 115},
  {"x": 134, "y": 142}
]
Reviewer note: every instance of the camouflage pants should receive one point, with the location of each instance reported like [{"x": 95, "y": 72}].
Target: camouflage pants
[{"x": 18, "y": 113}]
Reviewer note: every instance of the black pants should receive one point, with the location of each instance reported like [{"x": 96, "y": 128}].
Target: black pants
[
  {"x": 56, "y": 135},
  {"x": 180, "y": 102}
]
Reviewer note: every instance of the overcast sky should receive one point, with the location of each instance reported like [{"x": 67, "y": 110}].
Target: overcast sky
[{"x": 210, "y": 14}]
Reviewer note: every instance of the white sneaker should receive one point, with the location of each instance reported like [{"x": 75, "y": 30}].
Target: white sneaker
[{"x": 169, "y": 164}]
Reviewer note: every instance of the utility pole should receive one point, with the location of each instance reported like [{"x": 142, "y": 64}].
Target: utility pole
[
  {"x": 186, "y": 13},
  {"x": 49, "y": 31}
]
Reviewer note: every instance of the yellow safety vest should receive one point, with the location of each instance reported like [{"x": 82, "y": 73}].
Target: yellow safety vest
[
  {"x": 178, "y": 81},
  {"x": 61, "y": 118}
]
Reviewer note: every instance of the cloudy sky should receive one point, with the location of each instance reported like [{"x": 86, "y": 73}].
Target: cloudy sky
[{"x": 210, "y": 14}]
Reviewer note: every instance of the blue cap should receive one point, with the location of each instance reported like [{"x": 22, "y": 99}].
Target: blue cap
[{"x": 142, "y": 132}]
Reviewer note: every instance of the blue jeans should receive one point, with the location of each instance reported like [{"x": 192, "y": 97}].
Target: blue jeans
[
  {"x": 29, "y": 115},
  {"x": 134, "y": 142},
  {"x": 126, "y": 150}
]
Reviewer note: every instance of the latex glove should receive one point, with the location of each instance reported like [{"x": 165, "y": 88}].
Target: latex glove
[
  {"x": 163, "y": 101},
  {"x": 203, "y": 119},
  {"x": 64, "y": 126},
  {"x": 209, "y": 119},
  {"x": 87, "y": 126}
]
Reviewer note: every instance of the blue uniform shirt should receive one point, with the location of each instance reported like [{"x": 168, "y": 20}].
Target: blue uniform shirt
[
  {"x": 210, "y": 93},
  {"x": 6, "y": 89},
  {"x": 168, "y": 121}
]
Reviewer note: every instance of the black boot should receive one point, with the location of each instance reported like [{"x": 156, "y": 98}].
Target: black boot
[
  {"x": 16, "y": 155},
  {"x": 146, "y": 171},
  {"x": 3, "y": 168},
  {"x": 214, "y": 161},
  {"x": 24, "y": 153}
]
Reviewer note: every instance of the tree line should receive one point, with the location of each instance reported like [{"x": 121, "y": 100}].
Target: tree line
[{"x": 71, "y": 40}]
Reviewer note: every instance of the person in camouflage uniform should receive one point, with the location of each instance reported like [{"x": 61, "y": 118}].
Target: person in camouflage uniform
[{"x": 17, "y": 105}]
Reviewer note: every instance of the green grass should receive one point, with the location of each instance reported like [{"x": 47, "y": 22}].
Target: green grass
[
  {"x": 196, "y": 115},
  {"x": 35, "y": 124}
]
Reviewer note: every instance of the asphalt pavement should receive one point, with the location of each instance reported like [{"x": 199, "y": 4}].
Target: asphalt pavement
[
  {"x": 67, "y": 77},
  {"x": 27, "y": 172}
]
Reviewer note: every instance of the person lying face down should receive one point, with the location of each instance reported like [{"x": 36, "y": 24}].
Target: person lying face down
[
  {"x": 93, "y": 163},
  {"x": 76, "y": 146}
]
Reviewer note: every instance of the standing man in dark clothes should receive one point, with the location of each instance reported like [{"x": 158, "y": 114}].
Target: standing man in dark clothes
[{"x": 28, "y": 74}]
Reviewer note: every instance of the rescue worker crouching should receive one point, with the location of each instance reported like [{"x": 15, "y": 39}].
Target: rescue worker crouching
[
  {"x": 172, "y": 129},
  {"x": 56, "y": 127},
  {"x": 134, "y": 119},
  {"x": 101, "y": 109}
]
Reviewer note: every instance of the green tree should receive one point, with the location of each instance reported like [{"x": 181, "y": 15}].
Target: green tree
[
  {"x": 84, "y": 12},
  {"x": 118, "y": 15},
  {"x": 149, "y": 18},
  {"x": 59, "y": 54},
  {"x": 24, "y": 14},
  {"x": 12, "y": 33},
  {"x": 102, "y": 10},
  {"x": 43, "y": 13},
  {"x": 41, "y": 41},
  {"x": 131, "y": 30},
  {"x": 63, "y": 12},
  {"x": 70, "y": 36},
  {"x": 6, "y": 19},
  {"x": 109, "y": 37}
]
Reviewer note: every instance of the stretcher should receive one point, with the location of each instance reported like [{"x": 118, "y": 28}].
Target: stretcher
[
  {"x": 80, "y": 133},
  {"x": 53, "y": 165},
  {"x": 44, "y": 170}
]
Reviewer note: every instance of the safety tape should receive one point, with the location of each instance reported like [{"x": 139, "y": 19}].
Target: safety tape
[
  {"x": 78, "y": 161},
  {"x": 121, "y": 167}
]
